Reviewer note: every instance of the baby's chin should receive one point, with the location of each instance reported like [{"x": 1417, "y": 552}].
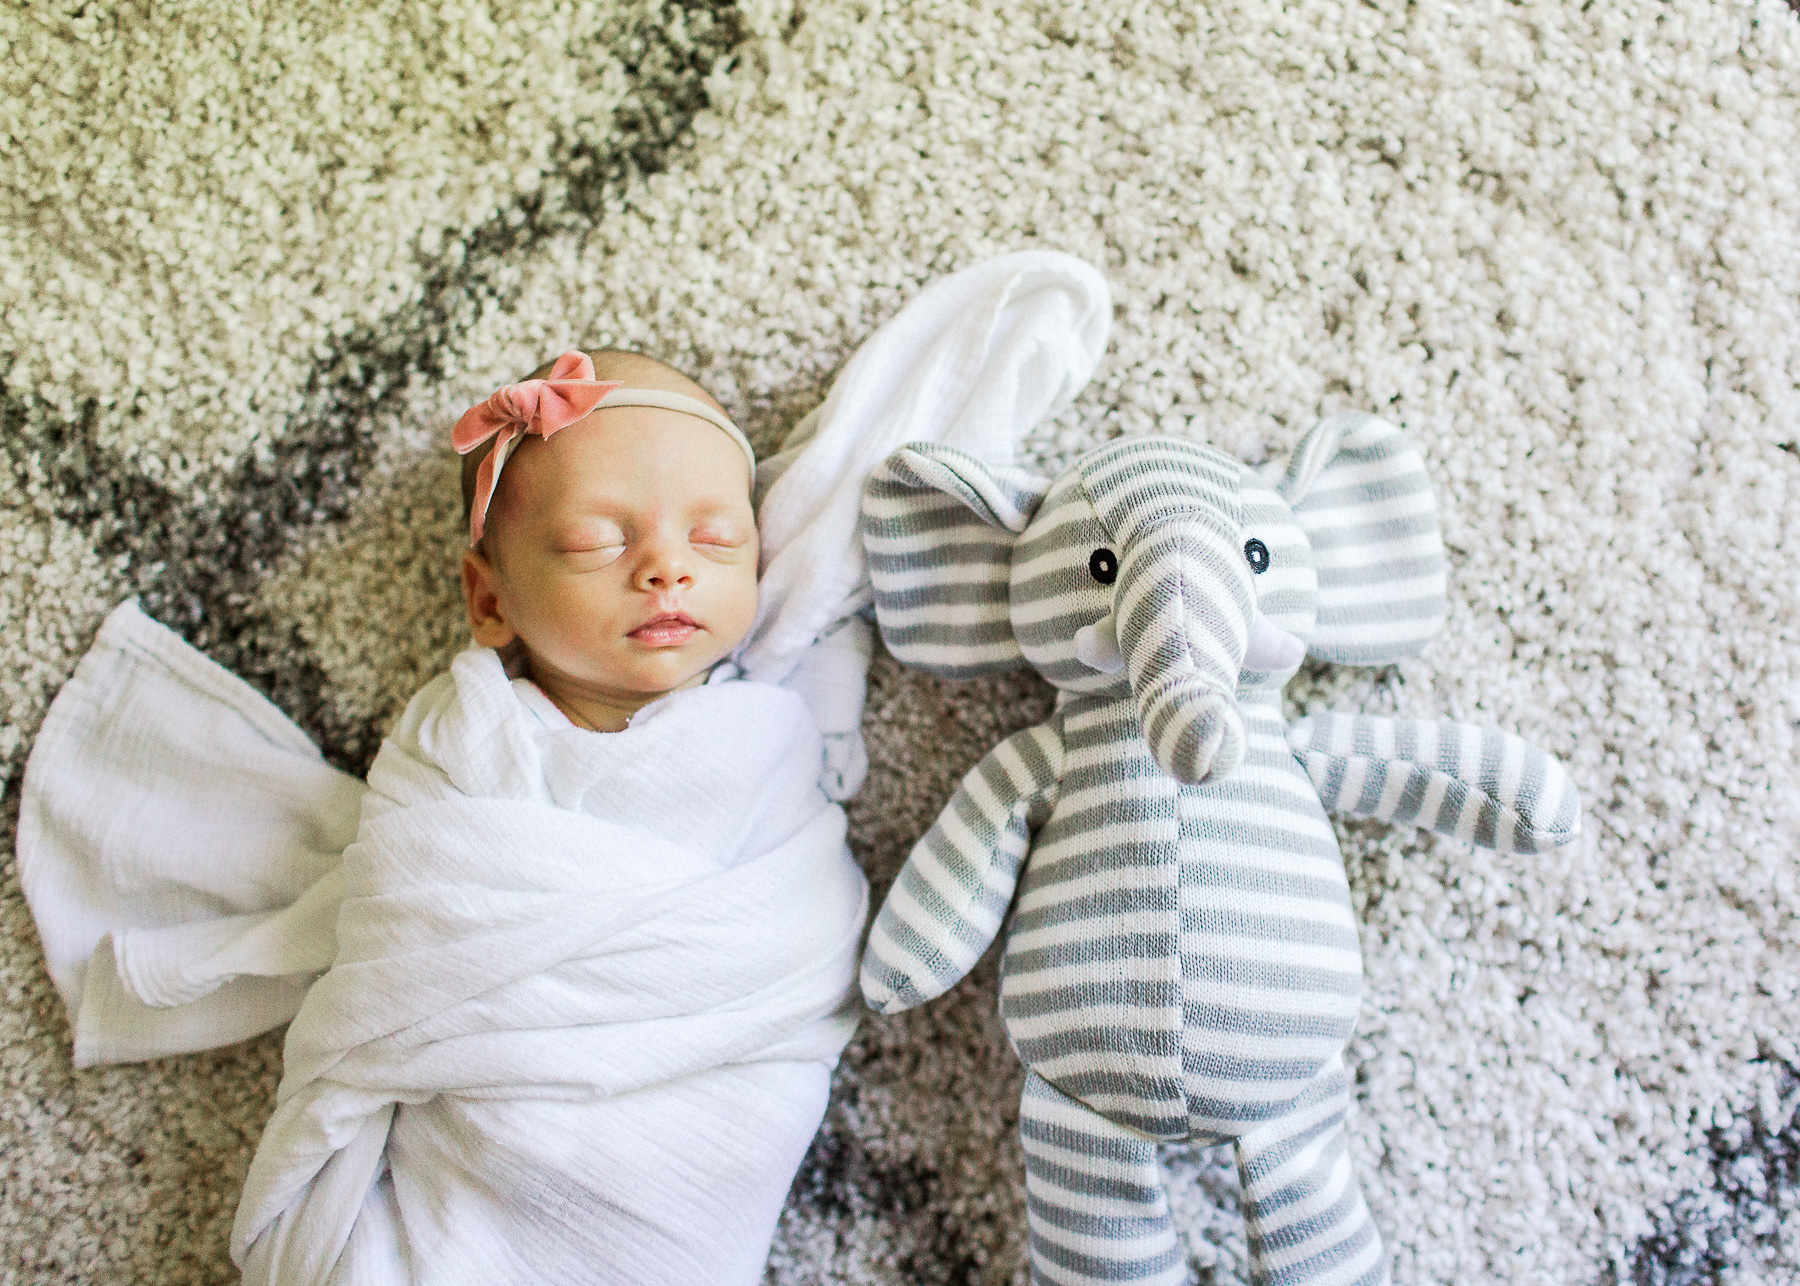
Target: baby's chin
[
  {"x": 644, "y": 672},
  {"x": 653, "y": 678}
]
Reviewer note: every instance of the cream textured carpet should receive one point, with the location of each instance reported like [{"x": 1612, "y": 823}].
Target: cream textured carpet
[{"x": 257, "y": 254}]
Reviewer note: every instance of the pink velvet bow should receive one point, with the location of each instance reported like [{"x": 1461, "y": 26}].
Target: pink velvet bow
[{"x": 533, "y": 406}]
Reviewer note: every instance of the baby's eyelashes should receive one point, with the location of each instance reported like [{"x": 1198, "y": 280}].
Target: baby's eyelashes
[
  {"x": 591, "y": 544},
  {"x": 590, "y": 549},
  {"x": 594, "y": 557},
  {"x": 719, "y": 537}
]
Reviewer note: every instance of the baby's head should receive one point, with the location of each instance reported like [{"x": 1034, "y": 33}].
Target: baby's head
[{"x": 617, "y": 554}]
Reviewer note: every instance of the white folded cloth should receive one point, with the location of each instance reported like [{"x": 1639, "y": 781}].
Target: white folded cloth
[
  {"x": 179, "y": 846},
  {"x": 974, "y": 362},
  {"x": 549, "y": 941}
]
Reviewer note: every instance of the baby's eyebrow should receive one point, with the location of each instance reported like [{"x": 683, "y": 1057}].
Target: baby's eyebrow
[
  {"x": 727, "y": 511},
  {"x": 726, "y": 507}
]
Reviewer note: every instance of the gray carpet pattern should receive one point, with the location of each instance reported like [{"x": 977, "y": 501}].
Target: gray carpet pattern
[{"x": 1560, "y": 242}]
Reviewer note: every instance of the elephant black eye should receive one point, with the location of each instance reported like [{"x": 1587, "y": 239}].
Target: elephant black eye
[
  {"x": 1258, "y": 554},
  {"x": 1103, "y": 566}
]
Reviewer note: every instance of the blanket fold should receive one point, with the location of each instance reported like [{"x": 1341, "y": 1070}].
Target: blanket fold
[
  {"x": 507, "y": 949},
  {"x": 975, "y": 361},
  {"x": 178, "y": 843}
]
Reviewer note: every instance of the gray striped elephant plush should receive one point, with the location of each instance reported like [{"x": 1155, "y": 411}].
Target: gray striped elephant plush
[{"x": 1182, "y": 958}]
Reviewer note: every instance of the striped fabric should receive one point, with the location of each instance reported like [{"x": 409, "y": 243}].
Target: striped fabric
[
  {"x": 1480, "y": 785},
  {"x": 1141, "y": 485},
  {"x": 938, "y": 526},
  {"x": 1361, "y": 494},
  {"x": 1288, "y": 593},
  {"x": 1303, "y": 1209},
  {"x": 1183, "y": 623},
  {"x": 1094, "y": 1195},
  {"x": 1272, "y": 968},
  {"x": 1182, "y": 957},
  {"x": 947, "y": 904},
  {"x": 1091, "y": 986},
  {"x": 1184, "y": 597},
  {"x": 1053, "y": 590}
]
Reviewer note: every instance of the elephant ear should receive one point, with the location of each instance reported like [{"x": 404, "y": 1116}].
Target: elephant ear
[
  {"x": 1359, "y": 490},
  {"x": 939, "y": 527}
]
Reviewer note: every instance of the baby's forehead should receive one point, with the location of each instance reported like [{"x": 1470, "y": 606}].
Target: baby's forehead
[
  {"x": 690, "y": 463},
  {"x": 597, "y": 489}
]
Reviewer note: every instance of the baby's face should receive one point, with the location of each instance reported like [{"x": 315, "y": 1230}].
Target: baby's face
[{"x": 624, "y": 551}]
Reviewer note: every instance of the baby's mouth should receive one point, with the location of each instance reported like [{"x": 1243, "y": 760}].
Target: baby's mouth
[{"x": 666, "y": 629}]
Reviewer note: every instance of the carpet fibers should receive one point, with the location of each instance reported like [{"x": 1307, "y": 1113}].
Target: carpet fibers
[{"x": 258, "y": 255}]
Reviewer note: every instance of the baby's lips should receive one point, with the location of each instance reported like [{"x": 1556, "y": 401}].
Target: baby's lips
[{"x": 665, "y": 628}]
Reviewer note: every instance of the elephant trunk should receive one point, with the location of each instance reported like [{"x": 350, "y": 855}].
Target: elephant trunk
[{"x": 1183, "y": 616}]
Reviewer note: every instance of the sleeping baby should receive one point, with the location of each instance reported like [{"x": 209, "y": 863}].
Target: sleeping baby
[
  {"x": 569, "y": 975},
  {"x": 599, "y": 919}
]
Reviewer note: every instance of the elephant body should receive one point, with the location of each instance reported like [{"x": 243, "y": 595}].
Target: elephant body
[
  {"x": 1181, "y": 959},
  {"x": 1236, "y": 902}
]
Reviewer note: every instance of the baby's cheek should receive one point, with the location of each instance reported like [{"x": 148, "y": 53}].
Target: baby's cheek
[{"x": 741, "y": 602}]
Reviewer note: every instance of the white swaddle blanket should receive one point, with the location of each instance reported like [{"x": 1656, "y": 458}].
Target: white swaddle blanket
[
  {"x": 515, "y": 908},
  {"x": 568, "y": 1004}
]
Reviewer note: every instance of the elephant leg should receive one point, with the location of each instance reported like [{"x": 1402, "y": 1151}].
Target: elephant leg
[
  {"x": 1094, "y": 1196},
  {"x": 1307, "y": 1221}
]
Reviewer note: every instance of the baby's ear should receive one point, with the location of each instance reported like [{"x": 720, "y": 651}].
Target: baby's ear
[
  {"x": 939, "y": 527},
  {"x": 481, "y": 591}
]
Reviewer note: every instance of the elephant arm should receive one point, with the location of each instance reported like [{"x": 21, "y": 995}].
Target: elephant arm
[
  {"x": 950, "y": 898},
  {"x": 1477, "y": 784}
]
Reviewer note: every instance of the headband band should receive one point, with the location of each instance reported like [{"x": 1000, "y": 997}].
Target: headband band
[
  {"x": 544, "y": 406},
  {"x": 687, "y": 406}
]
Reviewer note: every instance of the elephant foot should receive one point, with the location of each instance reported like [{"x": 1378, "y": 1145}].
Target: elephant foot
[
  {"x": 1307, "y": 1222},
  {"x": 1094, "y": 1196}
]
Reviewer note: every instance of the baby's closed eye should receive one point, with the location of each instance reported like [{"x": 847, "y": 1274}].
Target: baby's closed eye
[
  {"x": 719, "y": 535},
  {"x": 591, "y": 542}
]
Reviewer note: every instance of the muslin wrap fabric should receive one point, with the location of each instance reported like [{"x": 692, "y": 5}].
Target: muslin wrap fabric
[{"x": 556, "y": 953}]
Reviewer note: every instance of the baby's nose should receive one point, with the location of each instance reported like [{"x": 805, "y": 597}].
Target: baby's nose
[{"x": 665, "y": 567}]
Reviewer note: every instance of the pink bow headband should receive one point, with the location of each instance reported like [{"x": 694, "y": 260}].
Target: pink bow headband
[{"x": 543, "y": 406}]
